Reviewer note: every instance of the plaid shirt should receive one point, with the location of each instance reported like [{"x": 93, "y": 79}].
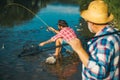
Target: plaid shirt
[
  {"x": 104, "y": 57},
  {"x": 66, "y": 33}
]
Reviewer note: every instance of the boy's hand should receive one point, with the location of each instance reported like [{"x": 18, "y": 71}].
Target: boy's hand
[
  {"x": 52, "y": 29},
  {"x": 42, "y": 44}
]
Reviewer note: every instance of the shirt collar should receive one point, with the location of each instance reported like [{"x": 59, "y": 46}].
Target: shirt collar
[{"x": 103, "y": 31}]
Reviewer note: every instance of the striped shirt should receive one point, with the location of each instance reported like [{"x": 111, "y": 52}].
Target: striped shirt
[
  {"x": 104, "y": 57},
  {"x": 66, "y": 33}
]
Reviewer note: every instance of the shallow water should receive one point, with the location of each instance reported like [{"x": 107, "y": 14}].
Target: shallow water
[{"x": 16, "y": 31}]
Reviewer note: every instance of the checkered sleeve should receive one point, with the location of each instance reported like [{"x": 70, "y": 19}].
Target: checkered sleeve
[
  {"x": 66, "y": 33},
  {"x": 59, "y": 35},
  {"x": 98, "y": 63}
]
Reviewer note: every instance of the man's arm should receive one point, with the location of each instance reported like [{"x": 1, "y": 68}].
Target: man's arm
[{"x": 78, "y": 48}]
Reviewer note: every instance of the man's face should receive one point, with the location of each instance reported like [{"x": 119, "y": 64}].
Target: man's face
[{"x": 90, "y": 27}]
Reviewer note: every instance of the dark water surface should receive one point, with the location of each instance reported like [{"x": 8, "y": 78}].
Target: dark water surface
[{"x": 19, "y": 27}]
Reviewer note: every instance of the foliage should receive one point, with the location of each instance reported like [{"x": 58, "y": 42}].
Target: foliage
[{"x": 115, "y": 9}]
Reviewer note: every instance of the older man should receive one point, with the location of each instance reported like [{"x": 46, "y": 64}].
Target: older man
[{"x": 101, "y": 60}]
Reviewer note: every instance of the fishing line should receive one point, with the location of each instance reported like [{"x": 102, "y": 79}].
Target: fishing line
[{"x": 12, "y": 4}]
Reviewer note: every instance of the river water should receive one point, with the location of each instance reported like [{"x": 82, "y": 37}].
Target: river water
[{"x": 20, "y": 27}]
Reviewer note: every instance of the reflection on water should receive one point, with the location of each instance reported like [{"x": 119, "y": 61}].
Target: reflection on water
[{"x": 19, "y": 27}]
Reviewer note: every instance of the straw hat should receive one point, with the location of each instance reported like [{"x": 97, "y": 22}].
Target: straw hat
[{"x": 97, "y": 12}]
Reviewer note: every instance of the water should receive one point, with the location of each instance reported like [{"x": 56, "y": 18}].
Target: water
[{"x": 23, "y": 28}]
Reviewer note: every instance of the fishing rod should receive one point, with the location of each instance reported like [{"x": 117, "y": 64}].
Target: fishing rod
[
  {"x": 12, "y": 4},
  {"x": 38, "y": 49}
]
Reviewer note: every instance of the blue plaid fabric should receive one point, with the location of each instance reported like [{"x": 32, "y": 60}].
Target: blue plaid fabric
[{"x": 104, "y": 57}]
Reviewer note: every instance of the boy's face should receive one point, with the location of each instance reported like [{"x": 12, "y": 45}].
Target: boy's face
[{"x": 59, "y": 27}]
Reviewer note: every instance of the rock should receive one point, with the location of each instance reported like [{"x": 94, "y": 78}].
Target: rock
[{"x": 51, "y": 60}]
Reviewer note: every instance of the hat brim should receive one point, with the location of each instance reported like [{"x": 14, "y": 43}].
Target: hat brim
[{"x": 87, "y": 15}]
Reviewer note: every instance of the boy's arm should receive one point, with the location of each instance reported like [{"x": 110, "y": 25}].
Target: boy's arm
[
  {"x": 46, "y": 42},
  {"x": 52, "y": 29}
]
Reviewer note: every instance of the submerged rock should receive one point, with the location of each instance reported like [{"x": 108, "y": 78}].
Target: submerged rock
[{"x": 51, "y": 60}]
